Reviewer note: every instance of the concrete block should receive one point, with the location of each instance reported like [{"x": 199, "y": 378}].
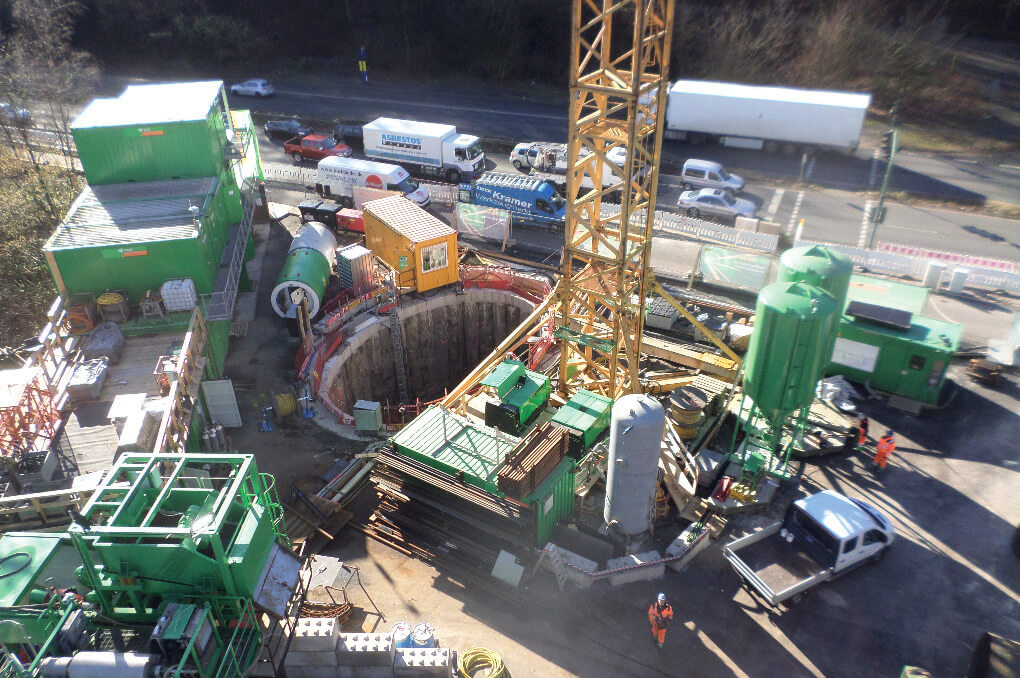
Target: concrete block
[
  {"x": 687, "y": 544},
  {"x": 315, "y": 634},
  {"x": 579, "y": 569},
  {"x": 301, "y": 659},
  {"x": 422, "y": 662},
  {"x": 365, "y": 649},
  {"x": 637, "y": 573},
  {"x": 365, "y": 672}
]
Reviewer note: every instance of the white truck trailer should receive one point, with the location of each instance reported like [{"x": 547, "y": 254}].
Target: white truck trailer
[
  {"x": 821, "y": 537},
  {"x": 425, "y": 148},
  {"x": 773, "y": 118}
]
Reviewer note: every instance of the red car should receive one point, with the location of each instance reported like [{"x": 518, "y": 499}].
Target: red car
[{"x": 315, "y": 147}]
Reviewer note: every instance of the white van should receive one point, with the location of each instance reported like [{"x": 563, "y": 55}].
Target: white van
[
  {"x": 708, "y": 174},
  {"x": 338, "y": 176}
]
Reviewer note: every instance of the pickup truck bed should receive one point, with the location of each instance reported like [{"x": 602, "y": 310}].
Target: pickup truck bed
[{"x": 778, "y": 563}]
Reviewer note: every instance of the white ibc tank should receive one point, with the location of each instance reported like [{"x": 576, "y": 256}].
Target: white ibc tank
[{"x": 635, "y": 438}]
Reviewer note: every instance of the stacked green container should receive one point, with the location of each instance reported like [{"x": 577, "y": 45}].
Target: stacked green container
[
  {"x": 150, "y": 132},
  {"x": 552, "y": 501}
]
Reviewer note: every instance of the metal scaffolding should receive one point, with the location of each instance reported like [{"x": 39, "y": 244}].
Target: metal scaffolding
[
  {"x": 618, "y": 87},
  {"x": 28, "y": 416}
]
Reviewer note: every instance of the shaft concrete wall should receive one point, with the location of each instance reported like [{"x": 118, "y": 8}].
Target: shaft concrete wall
[{"x": 444, "y": 337}]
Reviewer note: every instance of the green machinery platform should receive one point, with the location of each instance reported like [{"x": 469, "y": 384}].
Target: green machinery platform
[{"x": 474, "y": 454}]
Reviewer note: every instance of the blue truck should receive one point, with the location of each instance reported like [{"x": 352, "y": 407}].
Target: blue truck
[{"x": 530, "y": 201}]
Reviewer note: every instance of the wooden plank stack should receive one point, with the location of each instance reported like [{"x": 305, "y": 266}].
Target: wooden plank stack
[{"x": 533, "y": 460}]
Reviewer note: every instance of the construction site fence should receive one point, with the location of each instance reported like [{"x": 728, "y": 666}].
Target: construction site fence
[
  {"x": 444, "y": 194},
  {"x": 679, "y": 225},
  {"x": 914, "y": 265},
  {"x": 289, "y": 174},
  {"x": 500, "y": 278}
]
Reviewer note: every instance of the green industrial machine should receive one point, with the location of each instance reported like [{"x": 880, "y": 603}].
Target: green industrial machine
[
  {"x": 795, "y": 325},
  {"x": 521, "y": 392},
  {"x": 168, "y": 563},
  {"x": 585, "y": 416}
]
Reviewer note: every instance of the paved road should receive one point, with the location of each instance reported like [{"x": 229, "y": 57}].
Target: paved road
[
  {"x": 831, "y": 209},
  {"x": 833, "y": 215}
]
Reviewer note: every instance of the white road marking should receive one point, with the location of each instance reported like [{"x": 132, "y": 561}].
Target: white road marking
[
  {"x": 873, "y": 176},
  {"x": 774, "y": 205},
  {"x": 862, "y": 237},
  {"x": 809, "y": 168},
  {"x": 796, "y": 211},
  {"x": 909, "y": 228},
  {"x": 446, "y": 107}
]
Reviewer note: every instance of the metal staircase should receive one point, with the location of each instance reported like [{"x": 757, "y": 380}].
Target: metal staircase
[{"x": 396, "y": 338}]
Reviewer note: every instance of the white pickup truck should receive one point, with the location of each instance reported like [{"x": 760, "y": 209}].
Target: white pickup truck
[{"x": 821, "y": 537}]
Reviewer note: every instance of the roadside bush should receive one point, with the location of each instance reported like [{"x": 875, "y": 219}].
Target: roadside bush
[{"x": 25, "y": 222}]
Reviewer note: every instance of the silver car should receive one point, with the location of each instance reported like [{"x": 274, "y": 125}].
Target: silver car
[
  {"x": 714, "y": 202},
  {"x": 256, "y": 87},
  {"x": 707, "y": 174}
]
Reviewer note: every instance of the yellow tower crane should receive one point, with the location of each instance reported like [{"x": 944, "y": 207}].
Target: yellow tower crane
[{"x": 618, "y": 88}]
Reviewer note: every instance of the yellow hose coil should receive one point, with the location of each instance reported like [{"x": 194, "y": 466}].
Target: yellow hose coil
[
  {"x": 285, "y": 404},
  {"x": 109, "y": 298},
  {"x": 478, "y": 658}
]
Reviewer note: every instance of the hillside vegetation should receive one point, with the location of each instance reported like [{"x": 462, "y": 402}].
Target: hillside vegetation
[
  {"x": 25, "y": 222},
  {"x": 898, "y": 50}
]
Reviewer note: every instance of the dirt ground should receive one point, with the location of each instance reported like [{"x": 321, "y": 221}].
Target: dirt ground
[{"x": 950, "y": 491}]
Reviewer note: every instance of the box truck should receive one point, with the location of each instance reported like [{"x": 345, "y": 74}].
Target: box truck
[
  {"x": 425, "y": 148},
  {"x": 530, "y": 201},
  {"x": 772, "y": 118},
  {"x": 337, "y": 177}
]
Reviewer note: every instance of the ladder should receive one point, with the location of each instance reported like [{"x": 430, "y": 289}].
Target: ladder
[{"x": 399, "y": 365}]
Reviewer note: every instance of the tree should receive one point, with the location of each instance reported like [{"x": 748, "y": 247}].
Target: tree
[{"x": 41, "y": 72}]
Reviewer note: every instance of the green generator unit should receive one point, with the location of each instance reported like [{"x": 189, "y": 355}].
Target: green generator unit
[
  {"x": 522, "y": 394},
  {"x": 884, "y": 341},
  {"x": 160, "y": 131},
  {"x": 896, "y": 352},
  {"x": 585, "y": 416}
]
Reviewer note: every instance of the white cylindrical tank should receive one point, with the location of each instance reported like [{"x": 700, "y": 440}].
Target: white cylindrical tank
[{"x": 635, "y": 438}]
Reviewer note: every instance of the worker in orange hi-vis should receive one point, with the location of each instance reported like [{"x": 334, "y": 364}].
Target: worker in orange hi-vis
[
  {"x": 660, "y": 614},
  {"x": 885, "y": 447}
]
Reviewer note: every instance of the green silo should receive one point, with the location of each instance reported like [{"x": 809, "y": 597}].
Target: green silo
[
  {"x": 795, "y": 324},
  {"x": 820, "y": 266}
]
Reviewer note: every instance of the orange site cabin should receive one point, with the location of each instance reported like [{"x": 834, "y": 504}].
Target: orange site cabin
[{"x": 421, "y": 248}]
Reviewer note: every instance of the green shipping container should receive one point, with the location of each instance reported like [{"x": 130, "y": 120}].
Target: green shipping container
[
  {"x": 152, "y": 132},
  {"x": 553, "y": 501},
  {"x": 136, "y": 236}
]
